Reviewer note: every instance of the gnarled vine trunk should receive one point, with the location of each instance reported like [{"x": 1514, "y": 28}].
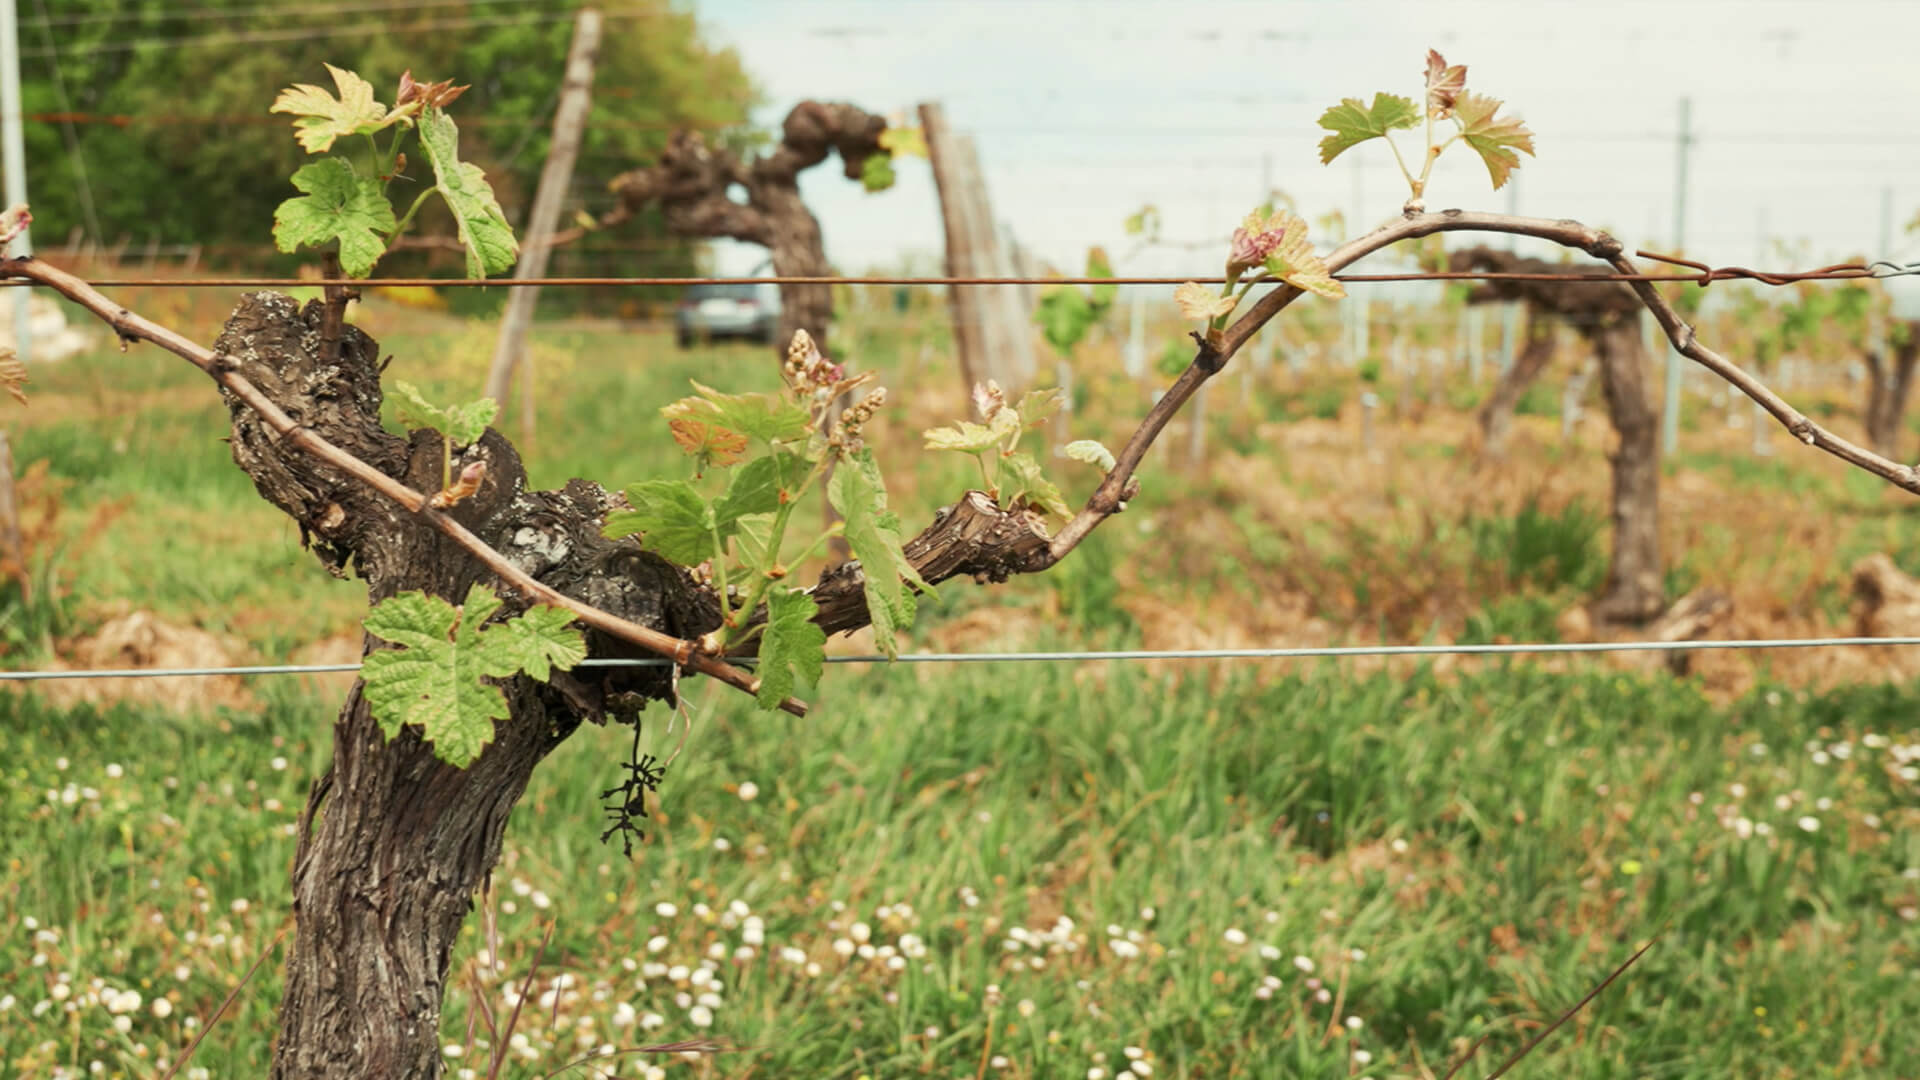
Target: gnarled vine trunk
[
  {"x": 1887, "y": 389},
  {"x": 394, "y": 841},
  {"x": 694, "y": 186},
  {"x": 1607, "y": 317}
]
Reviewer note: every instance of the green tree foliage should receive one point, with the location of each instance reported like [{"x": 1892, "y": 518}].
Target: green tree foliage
[{"x": 195, "y": 87}]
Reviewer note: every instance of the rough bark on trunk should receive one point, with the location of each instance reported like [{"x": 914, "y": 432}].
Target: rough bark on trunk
[
  {"x": 1636, "y": 584},
  {"x": 1496, "y": 414},
  {"x": 394, "y": 842},
  {"x": 1887, "y": 391}
]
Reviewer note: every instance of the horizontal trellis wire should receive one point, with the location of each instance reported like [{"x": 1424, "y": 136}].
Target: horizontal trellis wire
[
  {"x": 1071, "y": 656},
  {"x": 1847, "y": 272}
]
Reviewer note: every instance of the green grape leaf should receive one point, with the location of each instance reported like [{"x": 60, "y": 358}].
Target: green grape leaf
[
  {"x": 1037, "y": 405},
  {"x": 676, "y": 522},
  {"x": 338, "y": 205},
  {"x": 1029, "y": 483},
  {"x": 461, "y": 424},
  {"x": 433, "y": 680},
  {"x": 1064, "y": 314},
  {"x": 491, "y": 248},
  {"x": 904, "y": 140},
  {"x": 1099, "y": 266},
  {"x": 1146, "y": 222},
  {"x": 759, "y": 487},
  {"x": 1492, "y": 136},
  {"x": 1091, "y": 452},
  {"x": 320, "y": 118},
  {"x": 971, "y": 438},
  {"x": 753, "y": 533},
  {"x": 873, "y": 532},
  {"x": 792, "y": 646},
  {"x": 876, "y": 173},
  {"x": 1354, "y": 122},
  {"x": 541, "y": 640},
  {"x": 772, "y": 417}
]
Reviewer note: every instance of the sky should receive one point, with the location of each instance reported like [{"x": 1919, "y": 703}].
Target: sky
[{"x": 1802, "y": 116}]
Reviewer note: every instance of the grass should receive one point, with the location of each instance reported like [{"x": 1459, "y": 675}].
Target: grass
[
  {"x": 1455, "y": 855},
  {"x": 1205, "y": 880}
]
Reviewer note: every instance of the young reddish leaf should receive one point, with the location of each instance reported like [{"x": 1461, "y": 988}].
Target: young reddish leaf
[
  {"x": 1444, "y": 85},
  {"x": 1354, "y": 122},
  {"x": 338, "y": 205},
  {"x": 439, "y": 94},
  {"x": 1197, "y": 301},
  {"x": 320, "y": 118},
  {"x": 988, "y": 399},
  {"x": 465, "y": 486},
  {"x": 772, "y": 417},
  {"x": 709, "y": 444},
  {"x": 14, "y": 222},
  {"x": 1493, "y": 137},
  {"x": 1293, "y": 260}
]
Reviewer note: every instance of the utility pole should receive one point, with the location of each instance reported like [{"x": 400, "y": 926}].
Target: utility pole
[
  {"x": 13, "y": 158},
  {"x": 1670, "y": 408},
  {"x": 569, "y": 121}
]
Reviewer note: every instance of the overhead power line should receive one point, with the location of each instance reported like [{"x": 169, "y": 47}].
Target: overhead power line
[{"x": 244, "y": 37}]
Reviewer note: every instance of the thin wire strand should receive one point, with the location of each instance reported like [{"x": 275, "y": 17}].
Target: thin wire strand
[
  {"x": 1071, "y": 656},
  {"x": 1704, "y": 276}
]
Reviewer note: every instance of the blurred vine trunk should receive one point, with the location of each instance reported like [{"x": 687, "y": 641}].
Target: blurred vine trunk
[
  {"x": 1496, "y": 414},
  {"x": 1636, "y": 583},
  {"x": 1888, "y": 386}
]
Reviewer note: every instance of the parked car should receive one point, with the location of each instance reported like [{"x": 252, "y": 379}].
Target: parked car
[{"x": 709, "y": 312}]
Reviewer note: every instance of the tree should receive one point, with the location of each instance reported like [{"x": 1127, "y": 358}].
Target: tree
[
  {"x": 1607, "y": 317},
  {"x": 205, "y": 130},
  {"x": 394, "y": 837}
]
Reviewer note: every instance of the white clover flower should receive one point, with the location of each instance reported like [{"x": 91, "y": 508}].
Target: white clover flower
[
  {"x": 1096, "y": 1073},
  {"x": 1269, "y": 952},
  {"x": 1147, "y": 914},
  {"x": 1354, "y": 1023},
  {"x": 793, "y": 956},
  {"x": 700, "y": 1016},
  {"x": 1235, "y": 936},
  {"x": 1809, "y": 823},
  {"x": 861, "y": 933},
  {"x": 453, "y": 1050},
  {"x": 710, "y": 999},
  {"x": 748, "y": 791},
  {"x": 666, "y": 909},
  {"x": 656, "y": 943},
  {"x": 896, "y": 963},
  {"x": 912, "y": 947},
  {"x": 1304, "y": 964},
  {"x": 279, "y": 764},
  {"x": 678, "y": 973},
  {"x": 123, "y": 1024},
  {"x": 1738, "y": 791},
  {"x": 1742, "y": 827},
  {"x": 1361, "y": 1057},
  {"x": 1141, "y": 1067},
  {"x": 1359, "y": 955},
  {"x": 1124, "y": 949},
  {"x": 162, "y": 1008},
  {"x": 1024, "y": 1007},
  {"x": 114, "y": 771},
  {"x": 866, "y": 952},
  {"x": 843, "y": 947},
  {"x": 1132, "y": 1053},
  {"x": 998, "y": 1061},
  {"x": 651, "y": 1020},
  {"x": 541, "y": 900}
]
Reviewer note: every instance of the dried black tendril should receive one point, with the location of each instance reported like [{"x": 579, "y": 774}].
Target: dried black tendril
[{"x": 631, "y": 802}]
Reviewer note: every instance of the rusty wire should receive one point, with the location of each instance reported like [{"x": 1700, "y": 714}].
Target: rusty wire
[{"x": 1701, "y": 274}]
